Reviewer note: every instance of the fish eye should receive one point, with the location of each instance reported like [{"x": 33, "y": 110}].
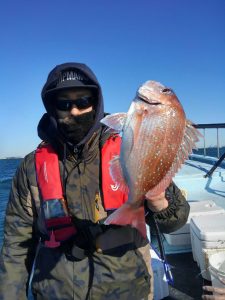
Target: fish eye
[{"x": 167, "y": 91}]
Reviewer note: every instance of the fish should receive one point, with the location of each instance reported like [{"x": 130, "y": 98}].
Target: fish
[{"x": 156, "y": 140}]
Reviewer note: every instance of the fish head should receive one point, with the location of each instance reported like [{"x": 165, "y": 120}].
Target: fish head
[{"x": 156, "y": 94}]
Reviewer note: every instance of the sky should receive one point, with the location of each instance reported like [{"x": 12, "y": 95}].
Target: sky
[{"x": 180, "y": 43}]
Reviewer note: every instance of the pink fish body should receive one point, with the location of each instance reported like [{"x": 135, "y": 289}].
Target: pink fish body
[{"x": 156, "y": 140}]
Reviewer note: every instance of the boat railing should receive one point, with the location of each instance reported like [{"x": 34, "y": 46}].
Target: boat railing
[
  {"x": 216, "y": 126},
  {"x": 220, "y": 158}
]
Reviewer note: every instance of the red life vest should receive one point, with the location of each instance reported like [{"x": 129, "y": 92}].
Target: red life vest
[
  {"x": 112, "y": 196},
  {"x": 57, "y": 219}
]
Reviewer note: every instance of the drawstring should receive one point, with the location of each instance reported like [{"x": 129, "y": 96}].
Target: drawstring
[
  {"x": 64, "y": 169},
  {"x": 29, "y": 292}
]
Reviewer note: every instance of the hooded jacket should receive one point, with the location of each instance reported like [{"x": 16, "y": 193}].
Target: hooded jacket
[
  {"x": 50, "y": 88},
  {"x": 123, "y": 273}
]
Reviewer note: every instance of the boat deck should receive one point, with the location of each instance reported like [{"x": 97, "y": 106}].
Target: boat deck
[
  {"x": 188, "y": 281},
  {"x": 190, "y": 179}
]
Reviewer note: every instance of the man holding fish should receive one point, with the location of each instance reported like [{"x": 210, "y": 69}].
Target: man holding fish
[{"x": 76, "y": 219}]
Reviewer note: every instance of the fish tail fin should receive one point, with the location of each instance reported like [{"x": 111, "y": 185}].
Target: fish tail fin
[{"x": 127, "y": 215}]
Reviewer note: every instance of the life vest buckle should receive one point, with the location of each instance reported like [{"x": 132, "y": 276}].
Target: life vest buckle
[{"x": 52, "y": 243}]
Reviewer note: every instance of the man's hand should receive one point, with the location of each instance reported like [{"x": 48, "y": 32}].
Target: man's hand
[
  {"x": 157, "y": 203},
  {"x": 218, "y": 293}
]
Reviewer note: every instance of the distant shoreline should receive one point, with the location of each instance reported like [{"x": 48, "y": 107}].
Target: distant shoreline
[
  {"x": 12, "y": 157},
  {"x": 210, "y": 151}
]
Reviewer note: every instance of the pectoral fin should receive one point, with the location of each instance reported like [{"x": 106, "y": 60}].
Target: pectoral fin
[
  {"x": 117, "y": 174},
  {"x": 115, "y": 121}
]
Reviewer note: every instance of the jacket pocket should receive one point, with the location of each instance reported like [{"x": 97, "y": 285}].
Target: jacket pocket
[{"x": 123, "y": 278}]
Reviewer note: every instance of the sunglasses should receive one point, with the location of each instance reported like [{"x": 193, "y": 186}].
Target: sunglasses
[{"x": 81, "y": 103}]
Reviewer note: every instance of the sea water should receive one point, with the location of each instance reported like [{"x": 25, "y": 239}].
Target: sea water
[
  {"x": 209, "y": 151},
  {"x": 7, "y": 170}
]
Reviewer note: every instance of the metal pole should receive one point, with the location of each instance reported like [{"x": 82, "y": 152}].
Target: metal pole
[
  {"x": 204, "y": 144},
  {"x": 218, "y": 145}
]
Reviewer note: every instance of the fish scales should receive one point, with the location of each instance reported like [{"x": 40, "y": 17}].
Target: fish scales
[
  {"x": 152, "y": 151},
  {"x": 156, "y": 140},
  {"x": 139, "y": 166}
]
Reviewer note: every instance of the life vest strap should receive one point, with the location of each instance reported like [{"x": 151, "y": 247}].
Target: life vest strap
[
  {"x": 58, "y": 222},
  {"x": 113, "y": 197},
  {"x": 48, "y": 175}
]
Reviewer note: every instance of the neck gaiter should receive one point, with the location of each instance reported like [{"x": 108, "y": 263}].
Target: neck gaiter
[{"x": 75, "y": 128}]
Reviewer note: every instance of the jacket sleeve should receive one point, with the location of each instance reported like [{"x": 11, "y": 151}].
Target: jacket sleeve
[
  {"x": 175, "y": 215},
  {"x": 16, "y": 252}
]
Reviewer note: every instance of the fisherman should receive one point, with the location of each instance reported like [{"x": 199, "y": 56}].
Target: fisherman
[{"x": 55, "y": 242}]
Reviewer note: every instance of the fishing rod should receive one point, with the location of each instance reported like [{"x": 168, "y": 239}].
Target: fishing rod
[
  {"x": 215, "y": 166},
  {"x": 168, "y": 273}
]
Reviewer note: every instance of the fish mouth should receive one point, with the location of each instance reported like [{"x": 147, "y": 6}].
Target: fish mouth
[
  {"x": 152, "y": 91},
  {"x": 153, "y": 100},
  {"x": 149, "y": 101}
]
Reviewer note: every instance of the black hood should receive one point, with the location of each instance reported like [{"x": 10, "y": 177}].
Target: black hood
[{"x": 52, "y": 85}]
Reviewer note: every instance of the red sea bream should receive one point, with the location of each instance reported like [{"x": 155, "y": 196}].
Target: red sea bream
[{"x": 156, "y": 139}]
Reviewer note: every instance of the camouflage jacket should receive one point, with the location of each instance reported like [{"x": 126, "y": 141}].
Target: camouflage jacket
[{"x": 122, "y": 274}]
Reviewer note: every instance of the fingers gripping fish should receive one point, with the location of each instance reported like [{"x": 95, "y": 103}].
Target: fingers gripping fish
[{"x": 156, "y": 140}]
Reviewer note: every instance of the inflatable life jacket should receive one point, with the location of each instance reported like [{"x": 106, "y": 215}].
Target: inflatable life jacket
[{"x": 56, "y": 219}]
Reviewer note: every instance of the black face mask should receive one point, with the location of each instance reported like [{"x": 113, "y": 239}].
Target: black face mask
[{"x": 75, "y": 128}]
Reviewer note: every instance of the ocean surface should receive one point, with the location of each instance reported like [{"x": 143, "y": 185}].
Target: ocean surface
[
  {"x": 8, "y": 168},
  {"x": 211, "y": 151}
]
